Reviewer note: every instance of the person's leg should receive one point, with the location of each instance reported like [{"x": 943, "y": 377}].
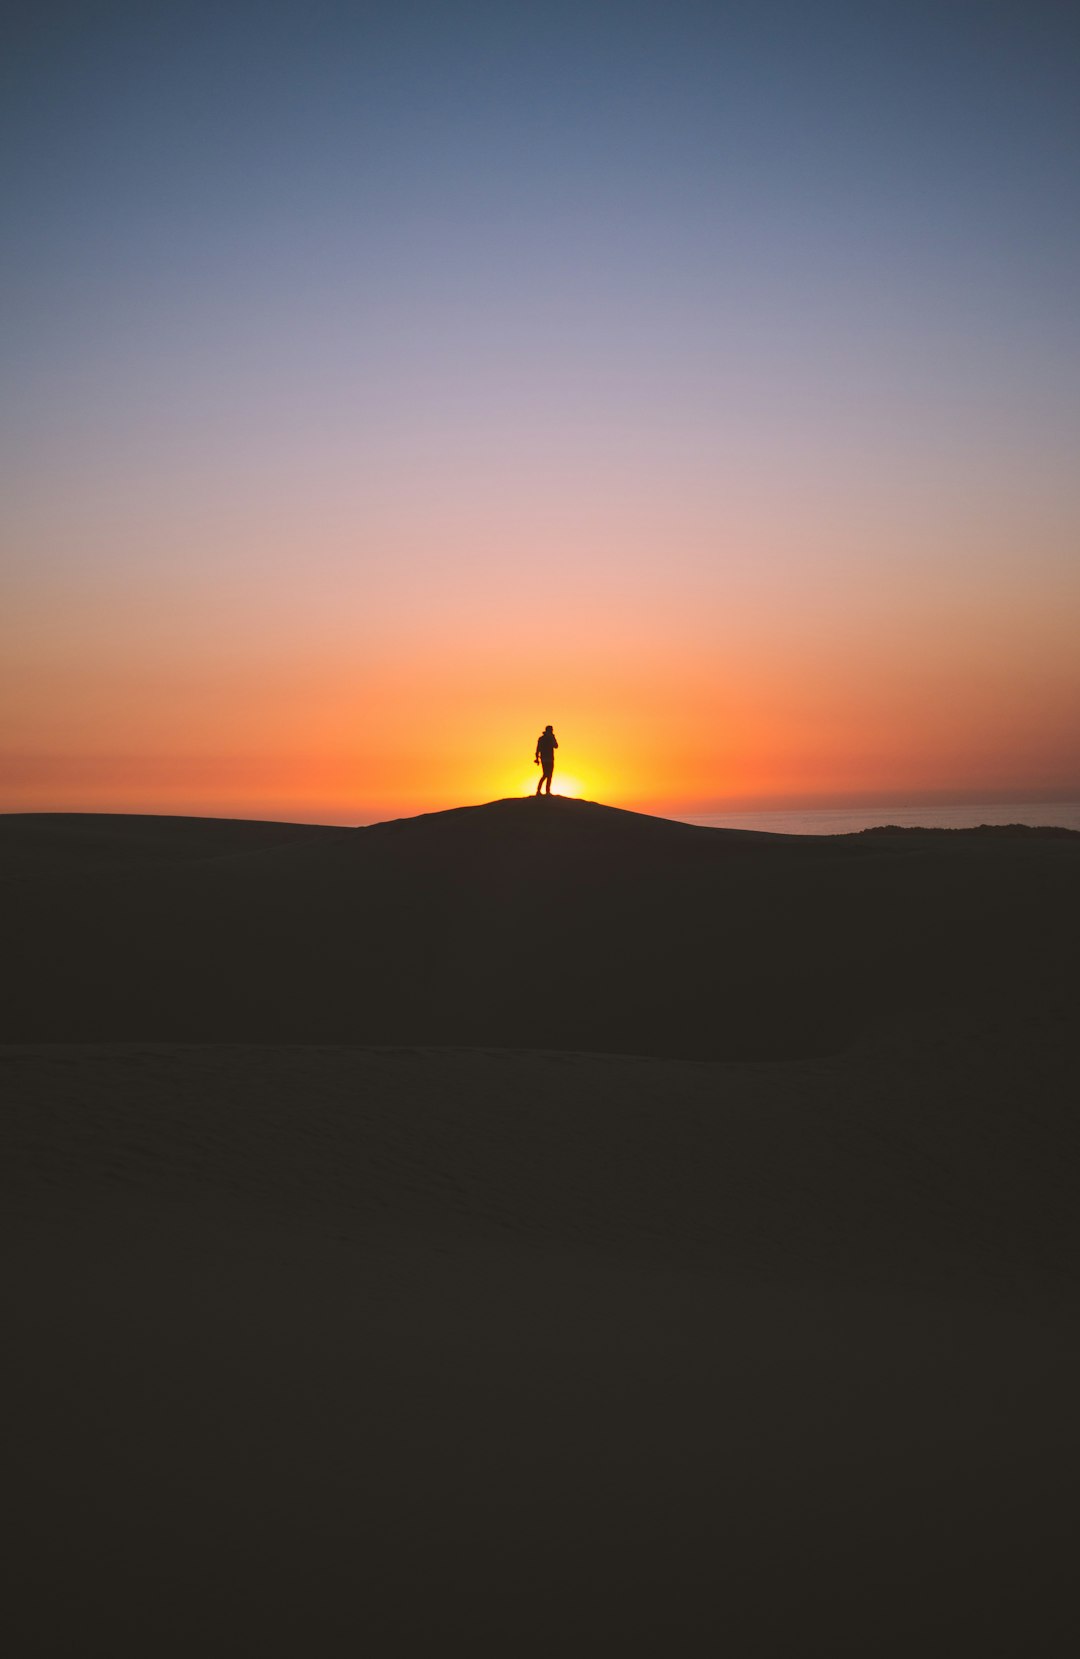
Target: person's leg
[{"x": 547, "y": 783}]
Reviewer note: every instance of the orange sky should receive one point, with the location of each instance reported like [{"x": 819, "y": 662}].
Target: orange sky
[{"x": 246, "y": 697}]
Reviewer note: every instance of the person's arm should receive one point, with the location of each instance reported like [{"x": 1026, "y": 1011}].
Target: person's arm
[{"x": 554, "y": 741}]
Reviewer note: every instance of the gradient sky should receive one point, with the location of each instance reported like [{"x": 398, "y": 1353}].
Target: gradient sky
[{"x": 383, "y": 382}]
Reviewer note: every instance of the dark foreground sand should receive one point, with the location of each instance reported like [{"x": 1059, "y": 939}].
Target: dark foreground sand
[{"x": 756, "y": 1333}]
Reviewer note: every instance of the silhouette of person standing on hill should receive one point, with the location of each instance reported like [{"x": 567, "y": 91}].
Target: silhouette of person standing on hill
[{"x": 546, "y": 745}]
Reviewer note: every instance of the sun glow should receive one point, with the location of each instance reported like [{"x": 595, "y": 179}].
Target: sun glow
[{"x": 562, "y": 783}]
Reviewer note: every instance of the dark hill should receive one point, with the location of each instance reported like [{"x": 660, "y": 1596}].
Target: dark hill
[
  {"x": 318, "y": 1347},
  {"x": 542, "y": 924}
]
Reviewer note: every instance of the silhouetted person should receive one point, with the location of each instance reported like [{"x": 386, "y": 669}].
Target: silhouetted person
[{"x": 546, "y": 745}]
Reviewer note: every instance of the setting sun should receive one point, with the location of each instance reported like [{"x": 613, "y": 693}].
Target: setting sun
[{"x": 562, "y": 783}]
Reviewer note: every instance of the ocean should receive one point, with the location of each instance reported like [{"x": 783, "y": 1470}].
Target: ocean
[{"x": 849, "y": 820}]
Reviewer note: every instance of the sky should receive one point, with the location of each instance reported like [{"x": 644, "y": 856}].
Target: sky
[{"x": 383, "y": 382}]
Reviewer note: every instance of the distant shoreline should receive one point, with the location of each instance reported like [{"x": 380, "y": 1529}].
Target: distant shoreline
[{"x": 854, "y": 820}]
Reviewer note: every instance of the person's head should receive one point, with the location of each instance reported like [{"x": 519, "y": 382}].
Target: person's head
[{"x": 547, "y": 728}]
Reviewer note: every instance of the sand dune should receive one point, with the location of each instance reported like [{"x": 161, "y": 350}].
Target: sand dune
[
  {"x": 551, "y": 924},
  {"x": 541, "y": 1228}
]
